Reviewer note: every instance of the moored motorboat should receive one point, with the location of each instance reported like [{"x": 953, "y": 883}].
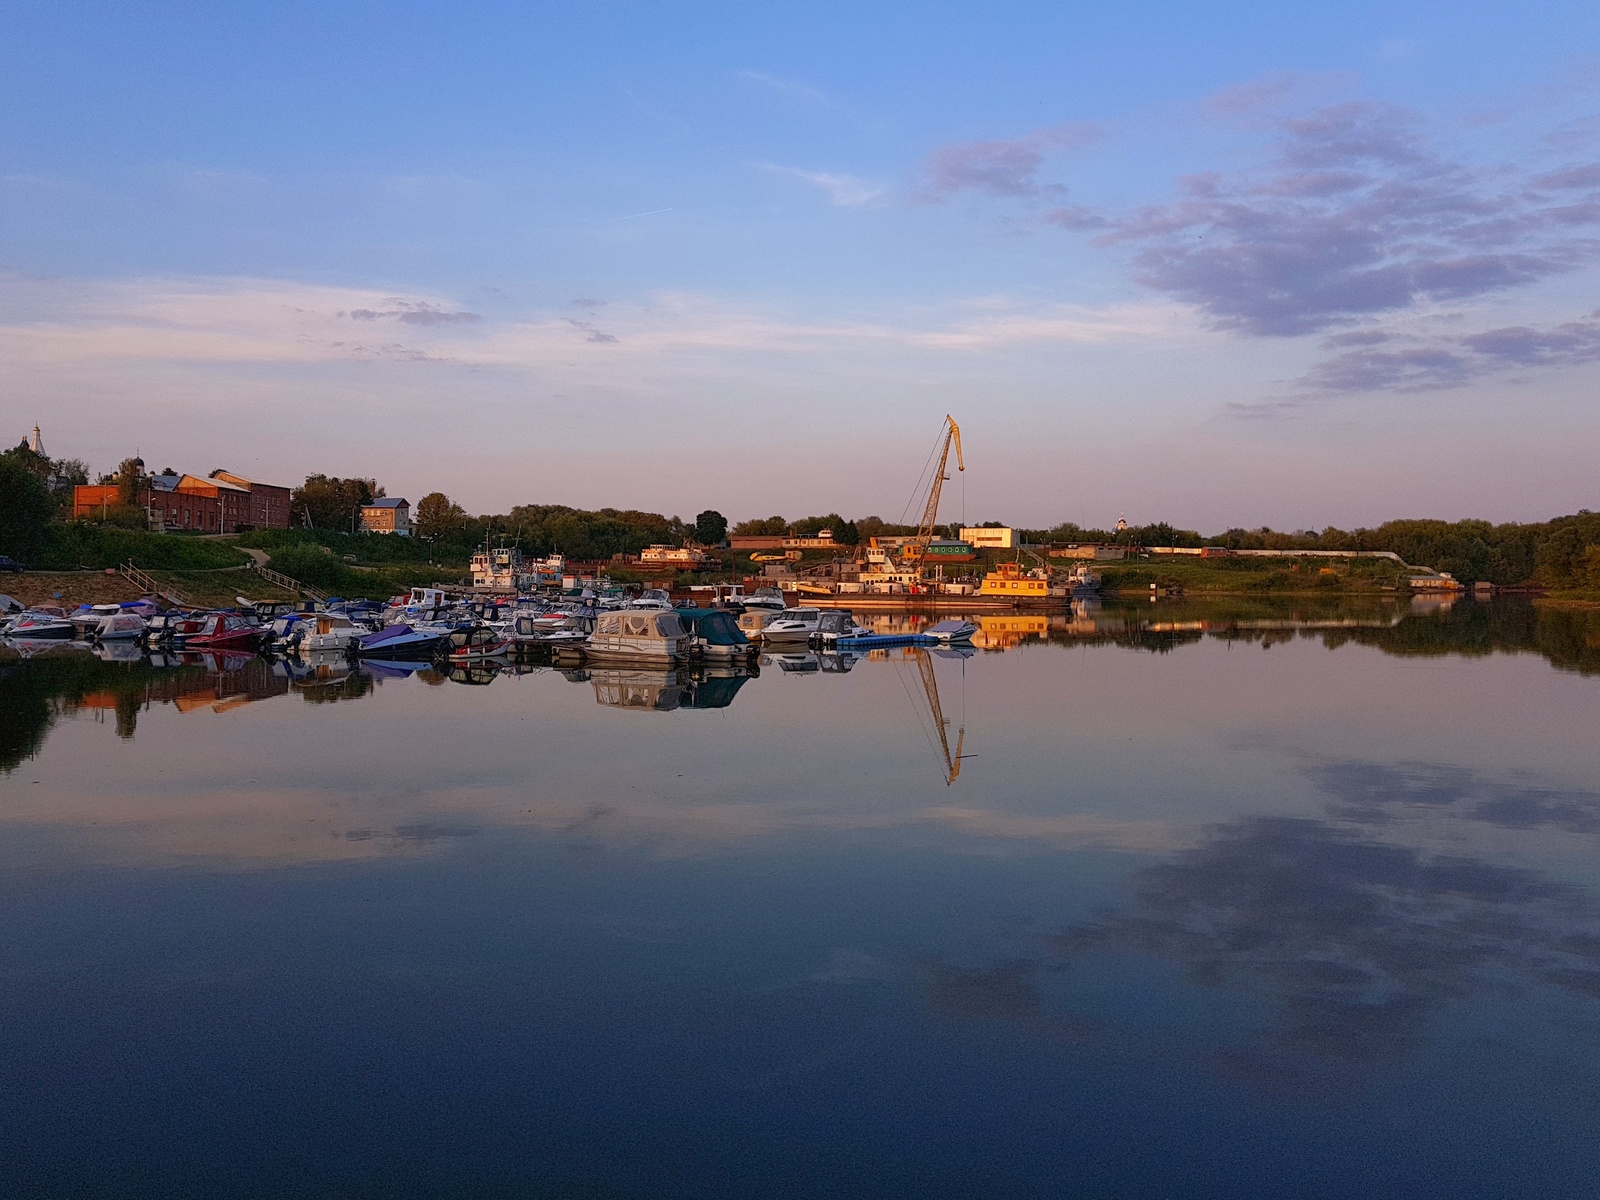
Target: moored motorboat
[
  {"x": 326, "y": 631},
  {"x": 655, "y": 598},
  {"x": 836, "y": 623},
  {"x": 401, "y": 641},
  {"x": 634, "y": 636},
  {"x": 42, "y": 623},
  {"x": 792, "y": 625},
  {"x": 223, "y": 631},
  {"x": 766, "y": 598},
  {"x": 476, "y": 643},
  {"x": 715, "y": 635},
  {"x": 549, "y": 629},
  {"x": 118, "y": 627},
  {"x": 951, "y": 629}
]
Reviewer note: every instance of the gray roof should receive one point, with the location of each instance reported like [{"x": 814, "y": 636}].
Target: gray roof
[{"x": 389, "y": 502}]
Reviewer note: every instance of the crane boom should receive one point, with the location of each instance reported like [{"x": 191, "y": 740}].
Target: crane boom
[{"x": 930, "y": 511}]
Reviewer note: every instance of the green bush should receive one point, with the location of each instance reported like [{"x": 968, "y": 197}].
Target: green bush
[{"x": 76, "y": 544}]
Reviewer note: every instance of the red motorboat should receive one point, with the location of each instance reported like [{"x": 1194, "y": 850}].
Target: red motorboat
[{"x": 224, "y": 631}]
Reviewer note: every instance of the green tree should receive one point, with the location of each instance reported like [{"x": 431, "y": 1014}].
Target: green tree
[
  {"x": 328, "y": 502},
  {"x": 710, "y": 527},
  {"x": 439, "y": 517},
  {"x": 25, "y": 509},
  {"x": 811, "y": 526},
  {"x": 762, "y": 527},
  {"x": 130, "y": 474}
]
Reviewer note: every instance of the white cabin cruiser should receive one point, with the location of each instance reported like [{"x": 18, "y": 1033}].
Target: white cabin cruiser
[
  {"x": 655, "y": 598},
  {"x": 792, "y": 625},
  {"x": 765, "y": 597},
  {"x": 327, "y": 631}
]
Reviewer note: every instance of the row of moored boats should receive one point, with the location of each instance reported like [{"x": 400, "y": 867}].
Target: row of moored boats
[{"x": 426, "y": 624}]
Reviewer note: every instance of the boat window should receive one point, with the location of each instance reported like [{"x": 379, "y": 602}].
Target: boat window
[
  {"x": 668, "y": 625},
  {"x": 638, "y": 626}
]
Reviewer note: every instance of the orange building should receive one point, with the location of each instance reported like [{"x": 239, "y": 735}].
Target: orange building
[
  {"x": 221, "y": 504},
  {"x": 387, "y": 514}
]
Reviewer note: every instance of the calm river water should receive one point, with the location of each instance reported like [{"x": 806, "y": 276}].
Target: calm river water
[{"x": 1223, "y": 901}]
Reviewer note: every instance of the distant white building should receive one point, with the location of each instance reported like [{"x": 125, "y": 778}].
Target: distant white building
[
  {"x": 990, "y": 538},
  {"x": 685, "y": 557}
]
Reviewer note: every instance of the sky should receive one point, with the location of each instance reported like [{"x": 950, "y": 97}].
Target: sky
[{"x": 1216, "y": 264}]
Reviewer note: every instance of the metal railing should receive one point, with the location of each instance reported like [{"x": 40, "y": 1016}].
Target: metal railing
[
  {"x": 288, "y": 584},
  {"x": 150, "y": 587}
]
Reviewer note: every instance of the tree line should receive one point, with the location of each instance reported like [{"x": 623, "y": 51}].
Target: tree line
[{"x": 1563, "y": 553}]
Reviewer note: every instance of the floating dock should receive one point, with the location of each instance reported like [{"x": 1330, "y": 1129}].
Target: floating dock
[{"x": 875, "y": 641}]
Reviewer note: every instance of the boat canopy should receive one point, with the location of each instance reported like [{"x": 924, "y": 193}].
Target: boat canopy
[
  {"x": 715, "y": 625},
  {"x": 647, "y": 623}
]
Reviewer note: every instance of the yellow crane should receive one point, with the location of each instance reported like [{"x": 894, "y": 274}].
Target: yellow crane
[{"x": 912, "y": 552}]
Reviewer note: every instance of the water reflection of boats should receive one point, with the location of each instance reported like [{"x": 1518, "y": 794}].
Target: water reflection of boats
[
  {"x": 824, "y": 662},
  {"x": 714, "y": 688},
  {"x": 118, "y": 650},
  {"x": 637, "y": 688},
  {"x": 27, "y": 647},
  {"x": 315, "y": 666},
  {"x": 474, "y": 674},
  {"x": 666, "y": 690},
  {"x": 393, "y": 668}
]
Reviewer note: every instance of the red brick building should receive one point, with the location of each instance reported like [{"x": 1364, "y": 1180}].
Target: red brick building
[
  {"x": 268, "y": 504},
  {"x": 224, "y": 503}
]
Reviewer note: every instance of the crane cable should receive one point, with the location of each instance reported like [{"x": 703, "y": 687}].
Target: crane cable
[{"x": 917, "y": 488}]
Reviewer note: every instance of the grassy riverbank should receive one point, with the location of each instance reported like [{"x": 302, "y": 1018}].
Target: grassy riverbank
[
  {"x": 1253, "y": 576},
  {"x": 72, "y": 588}
]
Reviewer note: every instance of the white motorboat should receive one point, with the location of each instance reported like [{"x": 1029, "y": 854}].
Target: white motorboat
[
  {"x": 42, "y": 624},
  {"x": 550, "y": 629},
  {"x": 951, "y": 629},
  {"x": 86, "y": 618},
  {"x": 792, "y": 625},
  {"x": 634, "y": 636},
  {"x": 118, "y": 626},
  {"x": 326, "y": 631},
  {"x": 765, "y": 598},
  {"x": 836, "y": 623},
  {"x": 655, "y": 598}
]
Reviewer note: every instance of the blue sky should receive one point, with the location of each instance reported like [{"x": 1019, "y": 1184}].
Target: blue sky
[{"x": 1217, "y": 264}]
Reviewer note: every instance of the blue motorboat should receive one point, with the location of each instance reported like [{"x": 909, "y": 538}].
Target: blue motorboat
[{"x": 401, "y": 641}]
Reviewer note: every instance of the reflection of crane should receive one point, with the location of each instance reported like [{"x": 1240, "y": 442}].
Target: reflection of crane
[
  {"x": 913, "y": 551},
  {"x": 930, "y": 689},
  {"x": 952, "y": 762}
]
